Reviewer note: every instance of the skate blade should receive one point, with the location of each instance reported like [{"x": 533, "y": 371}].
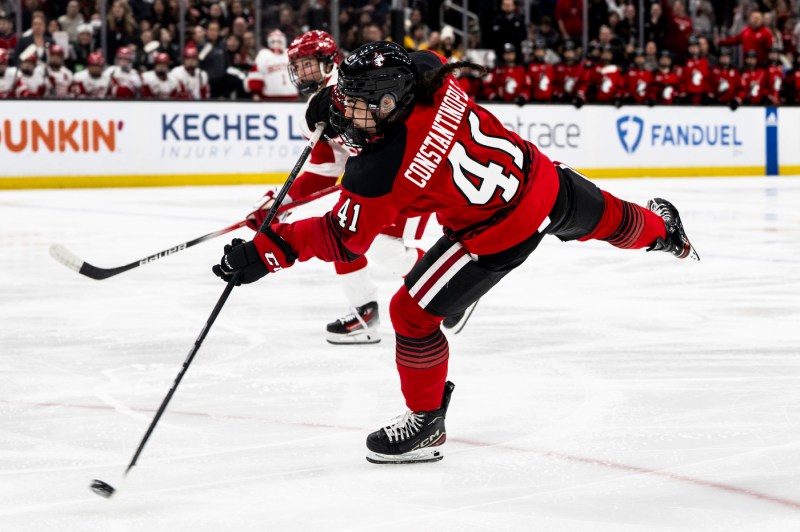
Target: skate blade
[
  {"x": 354, "y": 338},
  {"x": 428, "y": 454}
]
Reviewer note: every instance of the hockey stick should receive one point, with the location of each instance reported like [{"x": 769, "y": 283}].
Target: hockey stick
[
  {"x": 106, "y": 490},
  {"x": 73, "y": 262}
]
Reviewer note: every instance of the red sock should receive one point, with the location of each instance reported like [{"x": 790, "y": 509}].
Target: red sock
[
  {"x": 627, "y": 225},
  {"x": 422, "y": 353}
]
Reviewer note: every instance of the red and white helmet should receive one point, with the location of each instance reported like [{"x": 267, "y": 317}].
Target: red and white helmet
[
  {"x": 161, "y": 59},
  {"x": 124, "y": 53},
  {"x": 190, "y": 52},
  {"x": 318, "y": 45},
  {"x": 95, "y": 59},
  {"x": 314, "y": 43},
  {"x": 276, "y": 41},
  {"x": 3, "y": 56},
  {"x": 56, "y": 50}
]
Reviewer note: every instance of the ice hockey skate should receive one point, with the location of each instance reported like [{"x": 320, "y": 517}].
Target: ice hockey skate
[
  {"x": 358, "y": 327},
  {"x": 676, "y": 242},
  {"x": 411, "y": 438},
  {"x": 457, "y": 322}
]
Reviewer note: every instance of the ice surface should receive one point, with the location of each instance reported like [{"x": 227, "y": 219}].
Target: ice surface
[{"x": 596, "y": 389}]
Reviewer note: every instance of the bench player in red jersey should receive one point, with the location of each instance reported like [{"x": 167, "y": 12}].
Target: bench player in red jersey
[
  {"x": 312, "y": 69},
  {"x": 427, "y": 148}
]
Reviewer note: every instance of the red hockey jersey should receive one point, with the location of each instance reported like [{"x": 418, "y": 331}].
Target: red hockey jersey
[
  {"x": 665, "y": 87},
  {"x": 489, "y": 188},
  {"x": 753, "y": 86},
  {"x": 774, "y": 84},
  {"x": 694, "y": 78},
  {"x": 724, "y": 84},
  {"x": 542, "y": 79},
  {"x": 638, "y": 84},
  {"x": 566, "y": 81},
  {"x": 507, "y": 83}
]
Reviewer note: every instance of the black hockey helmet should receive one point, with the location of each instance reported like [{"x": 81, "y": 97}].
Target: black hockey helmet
[{"x": 381, "y": 74}]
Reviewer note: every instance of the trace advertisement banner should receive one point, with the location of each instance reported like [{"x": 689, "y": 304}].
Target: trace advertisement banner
[{"x": 79, "y": 143}]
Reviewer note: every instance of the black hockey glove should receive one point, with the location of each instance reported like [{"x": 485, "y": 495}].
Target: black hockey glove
[
  {"x": 617, "y": 102},
  {"x": 240, "y": 256},
  {"x": 520, "y": 100},
  {"x": 734, "y": 104},
  {"x": 577, "y": 102},
  {"x": 319, "y": 110}
]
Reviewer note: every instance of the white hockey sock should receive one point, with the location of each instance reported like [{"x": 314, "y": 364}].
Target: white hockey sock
[{"x": 358, "y": 287}]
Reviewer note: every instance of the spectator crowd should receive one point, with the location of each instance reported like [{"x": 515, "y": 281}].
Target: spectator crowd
[{"x": 687, "y": 51}]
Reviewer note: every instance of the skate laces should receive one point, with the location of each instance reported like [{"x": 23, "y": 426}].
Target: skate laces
[
  {"x": 405, "y": 426},
  {"x": 355, "y": 314}
]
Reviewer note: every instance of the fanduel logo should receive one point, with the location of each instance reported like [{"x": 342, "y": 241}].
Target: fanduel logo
[{"x": 629, "y": 130}]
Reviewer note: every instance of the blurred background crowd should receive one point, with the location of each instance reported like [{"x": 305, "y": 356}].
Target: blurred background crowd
[{"x": 731, "y": 52}]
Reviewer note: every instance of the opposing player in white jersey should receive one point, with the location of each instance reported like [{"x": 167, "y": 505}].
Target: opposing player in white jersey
[
  {"x": 92, "y": 82},
  {"x": 8, "y": 76},
  {"x": 193, "y": 80},
  {"x": 312, "y": 69},
  {"x": 30, "y": 79},
  {"x": 58, "y": 78},
  {"x": 124, "y": 81},
  {"x": 159, "y": 83},
  {"x": 268, "y": 78}
]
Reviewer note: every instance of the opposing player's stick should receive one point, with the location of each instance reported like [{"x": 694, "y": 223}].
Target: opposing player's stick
[
  {"x": 103, "y": 488},
  {"x": 73, "y": 262}
]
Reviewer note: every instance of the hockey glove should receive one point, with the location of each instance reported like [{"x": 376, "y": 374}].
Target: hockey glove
[
  {"x": 577, "y": 102},
  {"x": 260, "y": 210},
  {"x": 520, "y": 100},
  {"x": 734, "y": 104},
  {"x": 319, "y": 109},
  {"x": 240, "y": 256},
  {"x": 274, "y": 251}
]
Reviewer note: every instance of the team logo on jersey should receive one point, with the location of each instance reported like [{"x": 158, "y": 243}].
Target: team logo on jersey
[
  {"x": 629, "y": 130},
  {"x": 378, "y": 60}
]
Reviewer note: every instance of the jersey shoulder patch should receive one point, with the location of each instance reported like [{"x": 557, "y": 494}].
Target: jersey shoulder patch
[{"x": 371, "y": 173}]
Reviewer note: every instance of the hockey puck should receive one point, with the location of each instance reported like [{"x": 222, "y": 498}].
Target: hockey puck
[{"x": 102, "y": 488}]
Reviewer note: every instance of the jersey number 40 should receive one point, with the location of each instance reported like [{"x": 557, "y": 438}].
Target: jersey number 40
[{"x": 486, "y": 179}]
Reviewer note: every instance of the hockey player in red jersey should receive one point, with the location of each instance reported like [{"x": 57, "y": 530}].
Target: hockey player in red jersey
[
  {"x": 638, "y": 79},
  {"x": 30, "y": 79},
  {"x": 587, "y": 74},
  {"x": 753, "y": 81},
  {"x": 541, "y": 74},
  {"x": 8, "y": 76},
  {"x": 793, "y": 82},
  {"x": 694, "y": 75},
  {"x": 125, "y": 83},
  {"x": 775, "y": 74},
  {"x": 665, "y": 86},
  {"x": 508, "y": 82},
  {"x": 312, "y": 69},
  {"x": 725, "y": 80},
  {"x": 58, "y": 78},
  {"x": 608, "y": 79},
  {"x": 566, "y": 75},
  {"x": 159, "y": 83},
  {"x": 93, "y": 81},
  {"x": 427, "y": 148}
]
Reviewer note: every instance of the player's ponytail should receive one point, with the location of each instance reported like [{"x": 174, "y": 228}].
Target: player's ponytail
[{"x": 434, "y": 79}]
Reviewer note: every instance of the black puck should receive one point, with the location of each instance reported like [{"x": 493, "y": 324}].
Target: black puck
[{"x": 102, "y": 488}]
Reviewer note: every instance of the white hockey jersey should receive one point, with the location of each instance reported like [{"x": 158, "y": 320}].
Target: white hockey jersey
[
  {"x": 7, "y": 81},
  {"x": 58, "y": 82},
  {"x": 33, "y": 86},
  {"x": 162, "y": 89},
  {"x": 85, "y": 86},
  {"x": 193, "y": 87},
  {"x": 269, "y": 76},
  {"x": 123, "y": 84}
]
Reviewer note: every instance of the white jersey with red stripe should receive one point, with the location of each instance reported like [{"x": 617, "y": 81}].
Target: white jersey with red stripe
[
  {"x": 123, "y": 84},
  {"x": 7, "y": 81},
  {"x": 58, "y": 82},
  {"x": 163, "y": 89},
  {"x": 32, "y": 86},
  {"x": 194, "y": 86},
  {"x": 269, "y": 76},
  {"x": 84, "y": 85}
]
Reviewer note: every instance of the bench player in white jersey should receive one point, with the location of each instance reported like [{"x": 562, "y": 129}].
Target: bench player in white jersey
[
  {"x": 58, "y": 78},
  {"x": 193, "y": 80},
  {"x": 159, "y": 83},
  {"x": 92, "y": 82},
  {"x": 30, "y": 79},
  {"x": 8, "y": 76},
  {"x": 268, "y": 78},
  {"x": 312, "y": 69},
  {"x": 124, "y": 81}
]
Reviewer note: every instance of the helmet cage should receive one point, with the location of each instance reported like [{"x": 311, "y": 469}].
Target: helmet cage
[{"x": 385, "y": 93}]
